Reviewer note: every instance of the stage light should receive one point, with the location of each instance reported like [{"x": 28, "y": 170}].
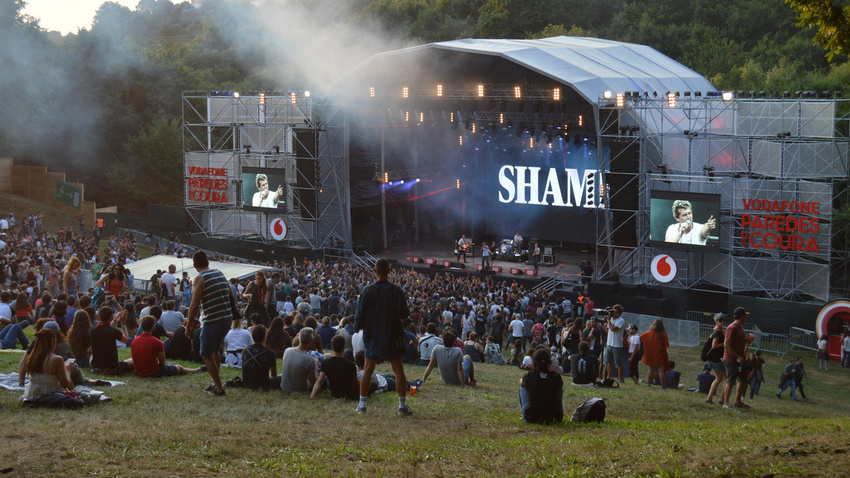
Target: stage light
[
  {"x": 606, "y": 95},
  {"x": 556, "y": 94},
  {"x": 501, "y": 118},
  {"x": 386, "y": 177},
  {"x": 439, "y": 90},
  {"x": 460, "y": 140},
  {"x": 405, "y": 92},
  {"x": 421, "y": 117},
  {"x": 621, "y": 100},
  {"x": 580, "y": 120},
  {"x": 480, "y": 91},
  {"x": 407, "y": 116},
  {"x": 217, "y": 92},
  {"x": 262, "y": 98},
  {"x": 402, "y": 181},
  {"x": 452, "y": 117},
  {"x": 697, "y": 94},
  {"x": 306, "y": 93},
  {"x": 727, "y": 96},
  {"x": 277, "y": 150},
  {"x": 371, "y": 92},
  {"x": 236, "y": 94},
  {"x": 473, "y": 128},
  {"x": 292, "y": 97},
  {"x": 517, "y": 92},
  {"x": 247, "y": 150},
  {"x": 671, "y": 100},
  {"x": 457, "y": 183},
  {"x": 531, "y": 142},
  {"x": 417, "y": 180}
]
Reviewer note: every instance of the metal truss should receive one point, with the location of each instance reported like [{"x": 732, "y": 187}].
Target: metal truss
[
  {"x": 299, "y": 136},
  {"x": 782, "y": 149}
]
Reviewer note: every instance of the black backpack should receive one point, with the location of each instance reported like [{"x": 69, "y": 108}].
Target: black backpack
[
  {"x": 592, "y": 410},
  {"x": 706, "y": 349}
]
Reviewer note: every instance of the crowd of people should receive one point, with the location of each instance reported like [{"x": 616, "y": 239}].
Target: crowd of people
[{"x": 328, "y": 322}]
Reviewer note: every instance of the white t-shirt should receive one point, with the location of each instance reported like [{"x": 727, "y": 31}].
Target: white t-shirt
[
  {"x": 847, "y": 343},
  {"x": 5, "y": 310},
  {"x": 516, "y": 326},
  {"x": 237, "y": 339},
  {"x": 357, "y": 343},
  {"x": 167, "y": 279},
  {"x": 269, "y": 200},
  {"x": 692, "y": 237},
  {"x": 634, "y": 343},
  {"x": 614, "y": 336}
]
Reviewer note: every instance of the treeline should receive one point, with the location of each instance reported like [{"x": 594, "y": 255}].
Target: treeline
[{"x": 103, "y": 104}]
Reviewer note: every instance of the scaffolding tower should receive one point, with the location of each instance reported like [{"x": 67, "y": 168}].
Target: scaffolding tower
[
  {"x": 288, "y": 134},
  {"x": 792, "y": 149}
]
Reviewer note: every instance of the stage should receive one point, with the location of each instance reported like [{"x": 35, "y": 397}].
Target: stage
[{"x": 567, "y": 262}]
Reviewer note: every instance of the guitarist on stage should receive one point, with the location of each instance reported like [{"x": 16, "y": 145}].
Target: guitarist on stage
[{"x": 462, "y": 246}]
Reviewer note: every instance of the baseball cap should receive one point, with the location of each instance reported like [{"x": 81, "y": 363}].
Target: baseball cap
[
  {"x": 52, "y": 325},
  {"x": 720, "y": 316}
]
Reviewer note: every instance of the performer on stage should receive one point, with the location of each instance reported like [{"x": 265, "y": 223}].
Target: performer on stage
[
  {"x": 535, "y": 256},
  {"x": 462, "y": 245},
  {"x": 517, "y": 242},
  {"x": 264, "y": 197},
  {"x": 485, "y": 256},
  {"x": 686, "y": 231}
]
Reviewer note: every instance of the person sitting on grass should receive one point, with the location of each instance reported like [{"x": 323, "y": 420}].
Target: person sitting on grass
[
  {"x": 584, "y": 365},
  {"x": 671, "y": 376},
  {"x": 340, "y": 373},
  {"x": 528, "y": 360},
  {"x": 298, "y": 370},
  {"x": 705, "y": 379},
  {"x": 259, "y": 363},
  {"x": 541, "y": 392},
  {"x": 48, "y": 374},
  {"x": 380, "y": 382},
  {"x": 148, "y": 354},
  {"x": 104, "y": 353},
  {"x": 235, "y": 341},
  {"x": 455, "y": 368},
  {"x": 493, "y": 352},
  {"x": 516, "y": 354}
]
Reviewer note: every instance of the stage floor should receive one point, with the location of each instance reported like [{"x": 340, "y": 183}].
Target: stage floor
[{"x": 567, "y": 263}]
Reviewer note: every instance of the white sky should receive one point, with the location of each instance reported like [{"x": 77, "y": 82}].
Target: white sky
[{"x": 67, "y": 16}]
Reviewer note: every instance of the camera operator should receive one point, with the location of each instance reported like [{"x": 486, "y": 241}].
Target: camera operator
[{"x": 614, "y": 343}]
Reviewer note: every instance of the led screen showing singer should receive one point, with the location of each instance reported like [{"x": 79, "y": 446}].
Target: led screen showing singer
[
  {"x": 263, "y": 189},
  {"x": 694, "y": 219}
]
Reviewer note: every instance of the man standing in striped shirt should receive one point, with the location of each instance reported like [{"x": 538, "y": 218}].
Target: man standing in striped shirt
[{"x": 212, "y": 292}]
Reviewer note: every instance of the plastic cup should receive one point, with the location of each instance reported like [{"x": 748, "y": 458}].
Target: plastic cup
[{"x": 413, "y": 391}]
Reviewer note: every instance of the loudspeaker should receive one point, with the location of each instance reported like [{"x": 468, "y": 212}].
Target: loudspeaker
[
  {"x": 307, "y": 173},
  {"x": 623, "y": 185},
  {"x": 436, "y": 266},
  {"x": 457, "y": 265}
]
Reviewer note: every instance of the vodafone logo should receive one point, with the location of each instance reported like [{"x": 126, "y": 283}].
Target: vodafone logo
[
  {"x": 278, "y": 229},
  {"x": 663, "y": 268}
]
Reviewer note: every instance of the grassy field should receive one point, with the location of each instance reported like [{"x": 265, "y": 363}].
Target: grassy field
[{"x": 168, "y": 427}]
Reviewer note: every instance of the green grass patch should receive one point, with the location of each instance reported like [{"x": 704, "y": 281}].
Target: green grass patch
[{"x": 168, "y": 427}]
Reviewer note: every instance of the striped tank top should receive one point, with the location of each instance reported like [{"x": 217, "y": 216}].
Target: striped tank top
[{"x": 216, "y": 298}]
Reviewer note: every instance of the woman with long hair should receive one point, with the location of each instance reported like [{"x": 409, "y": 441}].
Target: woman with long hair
[
  {"x": 277, "y": 339},
  {"x": 69, "y": 276},
  {"x": 47, "y": 371},
  {"x": 114, "y": 281},
  {"x": 24, "y": 314},
  {"x": 78, "y": 338},
  {"x": 257, "y": 294},
  {"x": 575, "y": 335},
  {"x": 655, "y": 357},
  {"x": 541, "y": 391}
]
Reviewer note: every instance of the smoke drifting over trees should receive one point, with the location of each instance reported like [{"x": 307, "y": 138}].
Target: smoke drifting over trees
[{"x": 101, "y": 104}]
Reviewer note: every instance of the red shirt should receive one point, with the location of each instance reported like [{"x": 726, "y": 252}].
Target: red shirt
[
  {"x": 145, "y": 350},
  {"x": 736, "y": 339}
]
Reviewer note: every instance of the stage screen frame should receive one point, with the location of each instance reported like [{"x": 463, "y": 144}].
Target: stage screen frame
[
  {"x": 661, "y": 216},
  {"x": 276, "y": 177}
]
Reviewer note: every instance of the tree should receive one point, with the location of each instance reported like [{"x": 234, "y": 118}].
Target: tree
[{"x": 832, "y": 20}]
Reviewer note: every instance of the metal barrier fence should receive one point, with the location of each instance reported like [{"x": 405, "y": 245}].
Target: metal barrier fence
[
  {"x": 802, "y": 338},
  {"x": 684, "y": 333},
  {"x": 780, "y": 344}
]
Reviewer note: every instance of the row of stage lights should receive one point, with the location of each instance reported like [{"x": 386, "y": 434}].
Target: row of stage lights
[
  {"x": 672, "y": 97},
  {"x": 479, "y": 91},
  {"x": 293, "y": 95}
]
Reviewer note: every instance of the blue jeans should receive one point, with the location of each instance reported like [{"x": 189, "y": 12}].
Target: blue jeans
[
  {"x": 845, "y": 360},
  {"x": 525, "y": 401},
  {"x": 467, "y": 364},
  {"x": 11, "y": 335},
  {"x": 789, "y": 383}
]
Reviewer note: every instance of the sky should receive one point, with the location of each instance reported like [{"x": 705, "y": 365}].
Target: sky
[{"x": 68, "y": 16}]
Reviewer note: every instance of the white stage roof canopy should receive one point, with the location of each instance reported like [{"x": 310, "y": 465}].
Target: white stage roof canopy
[{"x": 143, "y": 270}]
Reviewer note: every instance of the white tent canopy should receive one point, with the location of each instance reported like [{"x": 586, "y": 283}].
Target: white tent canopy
[
  {"x": 143, "y": 270},
  {"x": 590, "y": 65}
]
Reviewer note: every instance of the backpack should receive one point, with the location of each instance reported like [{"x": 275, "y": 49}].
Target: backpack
[
  {"x": 592, "y": 410},
  {"x": 97, "y": 298},
  {"x": 706, "y": 349},
  {"x": 607, "y": 383}
]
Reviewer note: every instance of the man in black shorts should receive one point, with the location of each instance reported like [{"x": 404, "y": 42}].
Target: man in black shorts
[
  {"x": 382, "y": 308},
  {"x": 735, "y": 345}
]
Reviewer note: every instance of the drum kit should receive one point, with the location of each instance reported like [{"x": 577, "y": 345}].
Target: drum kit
[{"x": 510, "y": 251}]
